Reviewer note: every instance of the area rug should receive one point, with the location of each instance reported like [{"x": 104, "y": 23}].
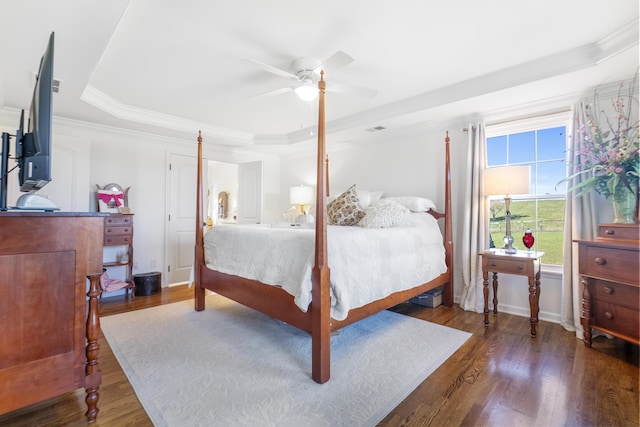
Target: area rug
[{"x": 232, "y": 366}]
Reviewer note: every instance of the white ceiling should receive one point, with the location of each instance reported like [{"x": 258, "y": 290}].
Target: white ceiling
[{"x": 174, "y": 67}]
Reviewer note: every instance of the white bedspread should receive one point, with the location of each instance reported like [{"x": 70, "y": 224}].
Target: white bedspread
[{"x": 366, "y": 264}]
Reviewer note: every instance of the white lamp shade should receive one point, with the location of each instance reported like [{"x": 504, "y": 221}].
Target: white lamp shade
[
  {"x": 507, "y": 180},
  {"x": 301, "y": 195}
]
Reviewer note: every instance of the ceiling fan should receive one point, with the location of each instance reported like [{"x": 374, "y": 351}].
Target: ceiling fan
[{"x": 305, "y": 74}]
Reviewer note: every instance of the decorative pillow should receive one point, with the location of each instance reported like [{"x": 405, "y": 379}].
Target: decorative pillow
[
  {"x": 366, "y": 198},
  {"x": 110, "y": 201},
  {"x": 384, "y": 213},
  {"x": 344, "y": 210},
  {"x": 414, "y": 204}
]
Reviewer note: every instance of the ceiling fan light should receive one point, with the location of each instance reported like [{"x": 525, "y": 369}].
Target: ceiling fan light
[{"x": 307, "y": 92}]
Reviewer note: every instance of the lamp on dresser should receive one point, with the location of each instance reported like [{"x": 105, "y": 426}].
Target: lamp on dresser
[{"x": 507, "y": 181}]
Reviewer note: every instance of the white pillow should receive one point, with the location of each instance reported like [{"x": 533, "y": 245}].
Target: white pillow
[
  {"x": 414, "y": 204},
  {"x": 366, "y": 198},
  {"x": 110, "y": 201},
  {"x": 383, "y": 214}
]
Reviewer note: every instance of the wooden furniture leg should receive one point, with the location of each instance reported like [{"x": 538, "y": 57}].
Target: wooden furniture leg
[
  {"x": 534, "y": 296},
  {"x": 93, "y": 374},
  {"x": 485, "y": 291},
  {"x": 495, "y": 293},
  {"x": 585, "y": 318}
]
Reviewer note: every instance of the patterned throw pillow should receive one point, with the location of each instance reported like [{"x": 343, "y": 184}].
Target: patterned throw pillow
[
  {"x": 384, "y": 213},
  {"x": 345, "y": 210}
]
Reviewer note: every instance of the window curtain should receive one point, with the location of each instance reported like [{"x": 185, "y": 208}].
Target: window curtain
[
  {"x": 579, "y": 222},
  {"x": 475, "y": 219}
]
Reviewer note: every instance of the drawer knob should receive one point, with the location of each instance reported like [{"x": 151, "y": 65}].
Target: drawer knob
[
  {"x": 609, "y": 231},
  {"x": 600, "y": 261},
  {"x": 520, "y": 267},
  {"x": 493, "y": 264},
  {"x": 608, "y": 290},
  {"x": 608, "y": 315}
]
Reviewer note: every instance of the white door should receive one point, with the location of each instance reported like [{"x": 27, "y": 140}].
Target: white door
[
  {"x": 250, "y": 193},
  {"x": 181, "y": 176}
]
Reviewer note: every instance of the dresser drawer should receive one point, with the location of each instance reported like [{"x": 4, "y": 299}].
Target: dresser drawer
[
  {"x": 615, "y": 293},
  {"x": 508, "y": 266},
  {"x": 610, "y": 263},
  {"x": 618, "y": 231},
  {"x": 118, "y": 231},
  {"x": 118, "y": 220},
  {"x": 116, "y": 240},
  {"x": 617, "y": 319}
]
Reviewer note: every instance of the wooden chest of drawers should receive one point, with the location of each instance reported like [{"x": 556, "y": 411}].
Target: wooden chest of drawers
[
  {"x": 118, "y": 230},
  {"x": 609, "y": 267}
]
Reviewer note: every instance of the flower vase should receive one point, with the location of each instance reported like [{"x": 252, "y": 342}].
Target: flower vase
[{"x": 624, "y": 205}]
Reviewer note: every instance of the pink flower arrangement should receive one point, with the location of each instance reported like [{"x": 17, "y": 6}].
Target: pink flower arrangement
[{"x": 610, "y": 155}]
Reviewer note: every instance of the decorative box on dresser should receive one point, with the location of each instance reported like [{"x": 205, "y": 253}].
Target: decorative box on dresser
[
  {"x": 118, "y": 231},
  {"x": 49, "y": 331},
  {"x": 609, "y": 268}
]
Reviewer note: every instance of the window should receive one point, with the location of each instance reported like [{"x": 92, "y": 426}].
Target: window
[{"x": 540, "y": 143}]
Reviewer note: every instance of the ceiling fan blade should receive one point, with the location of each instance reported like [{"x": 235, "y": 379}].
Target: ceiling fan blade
[
  {"x": 334, "y": 62},
  {"x": 363, "y": 92},
  {"x": 274, "y": 70},
  {"x": 272, "y": 93}
]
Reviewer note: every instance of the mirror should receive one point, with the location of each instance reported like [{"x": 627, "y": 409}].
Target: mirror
[{"x": 223, "y": 204}]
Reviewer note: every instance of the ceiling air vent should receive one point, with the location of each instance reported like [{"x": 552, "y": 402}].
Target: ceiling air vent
[{"x": 375, "y": 129}]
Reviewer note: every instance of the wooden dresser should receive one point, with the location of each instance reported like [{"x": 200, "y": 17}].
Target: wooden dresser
[
  {"x": 49, "y": 334},
  {"x": 609, "y": 267}
]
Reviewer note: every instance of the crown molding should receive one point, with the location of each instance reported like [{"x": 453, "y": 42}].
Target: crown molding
[{"x": 104, "y": 102}]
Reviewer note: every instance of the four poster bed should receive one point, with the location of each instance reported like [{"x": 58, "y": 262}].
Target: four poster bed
[{"x": 317, "y": 312}]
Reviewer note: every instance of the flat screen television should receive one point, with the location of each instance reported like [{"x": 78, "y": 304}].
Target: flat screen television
[{"x": 33, "y": 145}]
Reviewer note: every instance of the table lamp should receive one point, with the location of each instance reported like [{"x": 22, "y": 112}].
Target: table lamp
[
  {"x": 301, "y": 196},
  {"x": 507, "y": 181}
]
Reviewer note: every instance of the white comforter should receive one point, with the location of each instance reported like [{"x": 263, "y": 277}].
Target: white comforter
[{"x": 366, "y": 264}]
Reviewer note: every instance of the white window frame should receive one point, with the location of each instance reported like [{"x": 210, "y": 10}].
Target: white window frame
[{"x": 555, "y": 119}]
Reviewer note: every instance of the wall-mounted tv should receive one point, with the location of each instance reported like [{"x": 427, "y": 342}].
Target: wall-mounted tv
[{"x": 33, "y": 146}]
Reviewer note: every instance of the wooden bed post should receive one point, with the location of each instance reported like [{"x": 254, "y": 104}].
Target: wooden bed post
[
  {"x": 447, "y": 298},
  {"x": 320, "y": 297},
  {"x": 199, "y": 247}
]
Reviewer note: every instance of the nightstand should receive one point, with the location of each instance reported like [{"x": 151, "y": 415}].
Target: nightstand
[{"x": 522, "y": 263}]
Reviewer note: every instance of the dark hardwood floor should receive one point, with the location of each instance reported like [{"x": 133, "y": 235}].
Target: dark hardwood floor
[{"x": 499, "y": 377}]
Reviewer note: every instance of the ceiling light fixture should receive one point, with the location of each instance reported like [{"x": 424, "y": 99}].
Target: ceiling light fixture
[{"x": 307, "y": 91}]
